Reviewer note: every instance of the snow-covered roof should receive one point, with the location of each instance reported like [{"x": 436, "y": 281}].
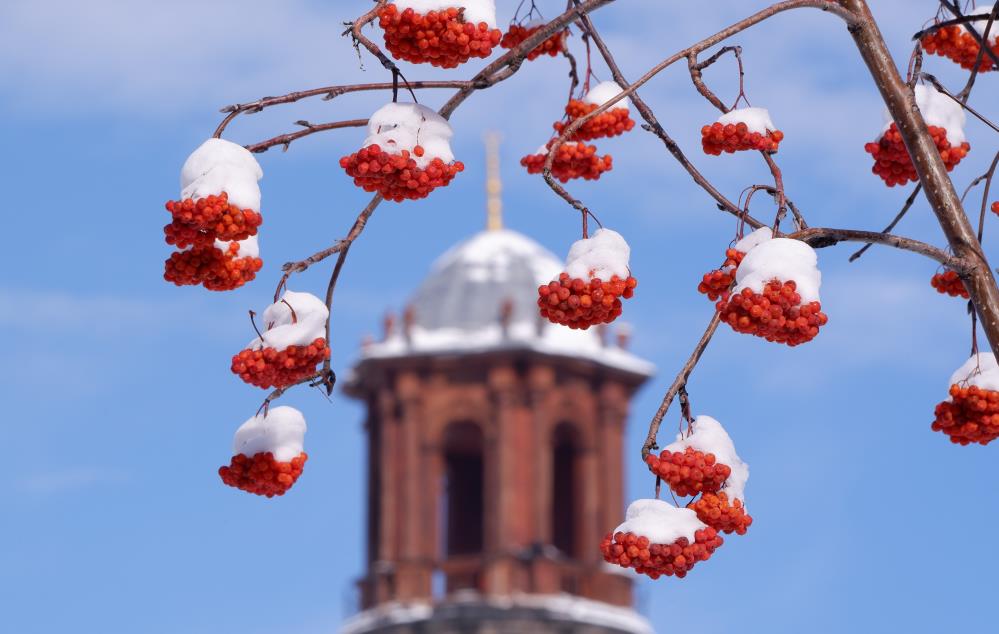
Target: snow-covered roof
[{"x": 457, "y": 308}]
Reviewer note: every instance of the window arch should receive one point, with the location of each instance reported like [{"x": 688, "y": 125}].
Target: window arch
[
  {"x": 566, "y": 478},
  {"x": 462, "y": 506}
]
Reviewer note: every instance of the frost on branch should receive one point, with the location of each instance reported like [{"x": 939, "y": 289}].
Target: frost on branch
[
  {"x": 572, "y": 160},
  {"x": 776, "y": 295},
  {"x": 215, "y": 222},
  {"x": 406, "y": 155},
  {"x": 292, "y": 343},
  {"x": 268, "y": 453},
  {"x": 443, "y": 33},
  {"x": 957, "y": 44},
  {"x": 741, "y": 129},
  {"x": 590, "y": 289},
  {"x": 657, "y": 539},
  {"x": 971, "y": 412},
  {"x": 611, "y": 122},
  {"x": 945, "y": 120},
  {"x": 716, "y": 283},
  {"x": 517, "y": 34}
]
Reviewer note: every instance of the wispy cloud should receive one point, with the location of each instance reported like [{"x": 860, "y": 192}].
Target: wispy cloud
[{"x": 67, "y": 480}]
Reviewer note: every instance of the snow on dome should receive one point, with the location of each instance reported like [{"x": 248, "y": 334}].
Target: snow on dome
[
  {"x": 282, "y": 328},
  {"x": 280, "y": 431},
  {"x": 660, "y": 521},
  {"x": 981, "y": 370},
  {"x": 756, "y": 238},
  {"x": 938, "y": 110},
  {"x": 248, "y": 248},
  {"x": 756, "y": 119},
  {"x": 604, "y": 92},
  {"x": 602, "y": 255},
  {"x": 978, "y": 26},
  {"x": 708, "y": 436},
  {"x": 402, "y": 126},
  {"x": 781, "y": 259},
  {"x": 475, "y": 10}
]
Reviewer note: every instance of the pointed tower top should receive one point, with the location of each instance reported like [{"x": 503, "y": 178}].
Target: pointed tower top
[{"x": 494, "y": 204}]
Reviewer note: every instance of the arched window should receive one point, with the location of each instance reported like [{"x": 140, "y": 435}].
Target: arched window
[
  {"x": 462, "y": 500},
  {"x": 565, "y": 490}
]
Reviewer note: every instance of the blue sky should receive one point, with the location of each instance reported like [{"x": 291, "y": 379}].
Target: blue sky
[{"x": 121, "y": 406}]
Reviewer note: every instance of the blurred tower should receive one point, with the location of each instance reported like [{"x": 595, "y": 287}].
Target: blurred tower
[{"x": 494, "y": 453}]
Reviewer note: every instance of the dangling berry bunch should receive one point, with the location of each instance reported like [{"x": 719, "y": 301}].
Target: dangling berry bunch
[
  {"x": 572, "y": 160},
  {"x": 595, "y": 279},
  {"x": 658, "y": 539},
  {"x": 217, "y": 267},
  {"x": 715, "y": 510},
  {"x": 739, "y": 130},
  {"x": 406, "y": 155},
  {"x": 442, "y": 33},
  {"x": 611, "y": 122},
  {"x": 776, "y": 295},
  {"x": 716, "y": 283},
  {"x": 958, "y": 45},
  {"x": 290, "y": 347},
  {"x": 971, "y": 413},
  {"x": 268, "y": 455},
  {"x": 517, "y": 34},
  {"x": 949, "y": 283},
  {"x": 945, "y": 121}
]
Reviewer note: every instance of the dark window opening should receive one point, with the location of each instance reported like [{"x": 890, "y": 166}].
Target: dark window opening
[
  {"x": 462, "y": 506},
  {"x": 565, "y": 490}
]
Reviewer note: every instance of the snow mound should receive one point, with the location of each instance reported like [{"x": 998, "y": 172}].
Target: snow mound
[
  {"x": 981, "y": 370},
  {"x": 756, "y": 119},
  {"x": 604, "y": 92},
  {"x": 938, "y": 110},
  {"x": 248, "y": 248},
  {"x": 402, "y": 126},
  {"x": 280, "y": 431},
  {"x": 475, "y": 10},
  {"x": 708, "y": 436},
  {"x": 781, "y": 259},
  {"x": 219, "y": 165},
  {"x": 282, "y": 328},
  {"x": 978, "y": 26},
  {"x": 603, "y": 255},
  {"x": 660, "y": 521},
  {"x": 754, "y": 239}
]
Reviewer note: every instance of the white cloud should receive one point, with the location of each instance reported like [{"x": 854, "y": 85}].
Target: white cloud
[{"x": 65, "y": 480}]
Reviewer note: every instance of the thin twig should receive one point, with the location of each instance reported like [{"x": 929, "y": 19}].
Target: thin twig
[{"x": 891, "y": 225}]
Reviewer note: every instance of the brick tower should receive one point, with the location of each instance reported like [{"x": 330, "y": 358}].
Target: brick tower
[{"x": 494, "y": 454}]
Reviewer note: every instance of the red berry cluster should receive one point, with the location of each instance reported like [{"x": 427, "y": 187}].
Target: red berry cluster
[
  {"x": 396, "y": 176},
  {"x": 776, "y": 314},
  {"x": 579, "y": 304},
  {"x": 716, "y": 283},
  {"x": 689, "y": 472},
  {"x": 714, "y": 510},
  {"x": 517, "y": 34},
  {"x": 213, "y": 268},
  {"x": 995, "y": 207},
  {"x": 971, "y": 416},
  {"x": 893, "y": 164},
  {"x": 609, "y": 123},
  {"x": 268, "y": 367},
  {"x": 949, "y": 283},
  {"x": 440, "y": 38},
  {"x": 635, "y": 551},
  {"x": 735, "y": 137},
  {"x": 262, "y": 474},
  {"x": 572, "y": 160},
  {"x": 201, "y": 222},
  {"x": 959, "y": 46}
]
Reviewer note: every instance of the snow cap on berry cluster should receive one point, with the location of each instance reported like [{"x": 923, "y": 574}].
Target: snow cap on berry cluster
[
  {"x": 248, "y": 248},
  {"x": 978, "y": 26},
  {"x": 708, "y": 436},
  {"x": 222, "y": 166},
  {"x": 402, "y": 126},
  {"x": 604, "y": 92},
  {"x": 284, "y": 328},
  {"x": 602, "y": 255},
  {"x": 981, "y": 371},
  {"x": 475, "y": 10},
  {"x": 756, "y": 119},
  {"x": 938, "y": 110},
  {"x": 280, "y": 431},
  {"x": 660, "y": 521},
  {"x": 754, "y": 239},
  {"x": 781, "y": 259}
]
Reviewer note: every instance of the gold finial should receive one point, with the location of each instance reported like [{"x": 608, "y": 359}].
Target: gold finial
[{"x": 494, "y": 204}]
